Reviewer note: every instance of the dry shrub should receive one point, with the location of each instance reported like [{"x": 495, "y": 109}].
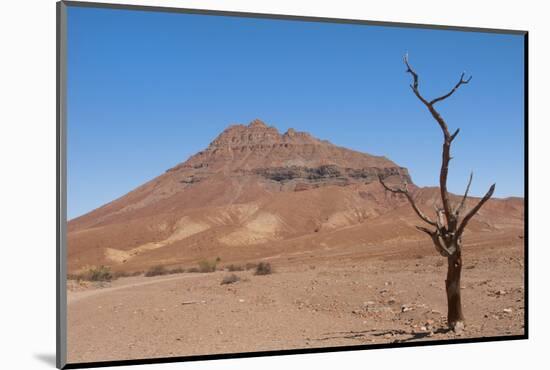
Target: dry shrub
[
  {"x": 177, "y": 270},
  {"x": 74, "y": 277},
  {"x": 101, "y": 273},
  {"x": 230, "y": 279},
  {"x": 161, "y": 270},
  {"x": 263, "y": 268},
  {"x": 156, "y": 271},
  {"x": 208, "y": 266}
]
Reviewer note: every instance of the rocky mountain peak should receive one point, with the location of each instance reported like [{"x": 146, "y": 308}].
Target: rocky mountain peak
[
  {"x": 257, "y": 134},
  {"x": 257, "y": 123},
  {"x": 236, "y": 136},
  {"x": 290, "y": 133},
  {"x": 261, "y": 150}
]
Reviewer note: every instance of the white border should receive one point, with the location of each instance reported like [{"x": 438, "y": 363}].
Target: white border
[{"x": 27, "y": 151}]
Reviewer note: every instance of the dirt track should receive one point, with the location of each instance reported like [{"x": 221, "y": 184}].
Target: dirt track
[{"x": 308, "y": 302}]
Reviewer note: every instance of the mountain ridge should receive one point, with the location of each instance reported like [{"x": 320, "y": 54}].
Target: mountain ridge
[{"x": 256, "y": 192}]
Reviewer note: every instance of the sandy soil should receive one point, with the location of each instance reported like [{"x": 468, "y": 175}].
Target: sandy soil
[{"x": 394, "y": 294}]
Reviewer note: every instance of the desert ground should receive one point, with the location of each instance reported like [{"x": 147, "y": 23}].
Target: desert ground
[{"x": 392, "y": 293}]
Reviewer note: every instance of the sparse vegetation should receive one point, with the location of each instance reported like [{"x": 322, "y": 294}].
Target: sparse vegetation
[
  {"x": 232, "y": 268},
  {"x": 250, "y": 266},
  {"x": 192, "y": 269},
  {"x": 161, "y": 270},
  {"x": 263, "y": 268},
  {"x": 119, "y": 274},
  {"x": 73, "y": 277},
  {"x": 208, "y": 266},
  {"x": 230, "y": 279},
  {"x": 101, "y": 273},
  {"x": 156, "y": 271},
  {"x": 177, "y": 270}
]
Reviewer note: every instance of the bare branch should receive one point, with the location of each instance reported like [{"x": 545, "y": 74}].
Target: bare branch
[
  {"x": 440, "y": 121},
  {"x": 399, "y": 191},
  {"x": 428, "y": 104},
  {"x": 439, "y": 216},
  {"x": 410, "y": 199},
  {"x": 414, "y": 85},
  {"x": 446, "y": 152},
  {"x": 463, "y": 202},
  {"x": 437, "y": 240},
  {"x": 411, "y": 71},
  {"x": 450, "y": 234},
  {"x": 459, "y": 83},
  {"x": 454, "y": 134},
  {"x": 474, "y": 210},
  {"x": 423, "y": 229}
]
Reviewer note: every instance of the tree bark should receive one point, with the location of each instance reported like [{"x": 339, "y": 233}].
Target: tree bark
[{"x": 455, "y": 317}]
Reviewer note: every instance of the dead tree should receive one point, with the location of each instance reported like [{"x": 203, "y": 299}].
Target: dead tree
[{"x": 447, "y": 227}]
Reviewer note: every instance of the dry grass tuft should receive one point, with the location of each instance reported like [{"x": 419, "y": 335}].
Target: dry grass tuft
[{"x": 263, "y": 268}]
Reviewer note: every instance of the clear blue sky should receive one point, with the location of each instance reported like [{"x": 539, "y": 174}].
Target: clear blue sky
[{"x": 146, "y": 90}]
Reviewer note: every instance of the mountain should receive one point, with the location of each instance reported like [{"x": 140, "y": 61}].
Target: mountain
[{"x": 256, "y": 193}]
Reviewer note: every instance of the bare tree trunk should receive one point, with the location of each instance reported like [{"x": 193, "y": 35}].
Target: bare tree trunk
[
  {"x": 455, "y": 318},
  {"x": 447, "y": 235}
]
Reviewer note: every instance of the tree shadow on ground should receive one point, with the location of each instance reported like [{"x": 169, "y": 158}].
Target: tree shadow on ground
[{"x": 412, "y": 336}]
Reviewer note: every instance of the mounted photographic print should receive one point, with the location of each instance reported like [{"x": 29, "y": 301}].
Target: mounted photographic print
[{"x": 235, "y": 184}]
